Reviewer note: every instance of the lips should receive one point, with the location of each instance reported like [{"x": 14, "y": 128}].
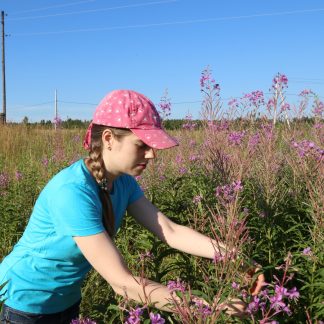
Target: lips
[{"x": 142, "y": 165}]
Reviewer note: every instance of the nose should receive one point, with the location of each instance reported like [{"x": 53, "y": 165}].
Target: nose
[{"x": 150, "y": 153}]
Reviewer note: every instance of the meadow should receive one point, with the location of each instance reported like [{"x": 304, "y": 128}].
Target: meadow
[{"x": 252, "y": 179}]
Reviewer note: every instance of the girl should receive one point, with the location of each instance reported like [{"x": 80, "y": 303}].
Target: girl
[{"x": 79, "y": 211}]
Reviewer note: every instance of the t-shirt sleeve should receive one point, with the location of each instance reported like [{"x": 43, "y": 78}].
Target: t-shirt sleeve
[
  {"x": 135, "y": 191},
  {"x": 76, "y": 211}
]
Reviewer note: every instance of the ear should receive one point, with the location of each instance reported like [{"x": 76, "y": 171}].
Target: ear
[{"x": 107, "y": 138}]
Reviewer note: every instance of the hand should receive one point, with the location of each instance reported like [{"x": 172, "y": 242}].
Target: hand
[
  {"x": 234, "y": 307},
  {"x": 258, "y": 282}
]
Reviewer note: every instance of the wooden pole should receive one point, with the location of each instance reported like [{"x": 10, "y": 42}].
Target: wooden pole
[
  {"x": 55, "y": 112},
  {"x": 3, "y": 114}
]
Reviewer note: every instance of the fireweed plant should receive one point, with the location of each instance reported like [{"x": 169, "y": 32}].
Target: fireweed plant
[{"x": 252, "y": 176}]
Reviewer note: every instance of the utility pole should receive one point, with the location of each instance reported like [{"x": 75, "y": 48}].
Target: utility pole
[
  {"x": 55, "y": 110},
  {"x": 3, "y": 114}
]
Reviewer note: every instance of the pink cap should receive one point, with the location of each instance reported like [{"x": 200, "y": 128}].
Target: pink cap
[{"x": 132, "y": 110}]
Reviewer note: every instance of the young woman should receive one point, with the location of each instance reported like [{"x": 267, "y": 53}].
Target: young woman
[{"x": 77, "y": 214}]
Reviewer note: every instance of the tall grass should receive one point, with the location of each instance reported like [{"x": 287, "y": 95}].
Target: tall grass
[{"x": 252, "y": 183}]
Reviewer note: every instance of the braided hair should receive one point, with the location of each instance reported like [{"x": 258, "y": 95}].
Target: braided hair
[{"x": 97, "y": 168}]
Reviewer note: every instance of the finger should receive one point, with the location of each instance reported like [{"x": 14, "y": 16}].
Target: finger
[{"x": 257, "y": 285}]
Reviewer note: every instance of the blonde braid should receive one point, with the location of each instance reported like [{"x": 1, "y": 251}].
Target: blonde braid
[{"x": 97, "y": 169}]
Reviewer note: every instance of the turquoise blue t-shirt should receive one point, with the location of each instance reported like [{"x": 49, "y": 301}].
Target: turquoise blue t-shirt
[{"x": 45, "y": 270}]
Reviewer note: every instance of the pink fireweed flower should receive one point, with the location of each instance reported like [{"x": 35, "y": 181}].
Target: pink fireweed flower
[
  {"x": 18, "y": 175},
  {"x": 235, "y": 285},
  {"x": 156, "y": 319},
  {"x": 4, "y": 180},
  {"x": 76, "y": 138},
  {"x": 254, "y": 140},
  {"x": 146, "y": 255},
  {"x": 177, "y": 285},
  {"x": 165, "y": 106},
  {"x": 134, "y": 316},
  {"x": 318, "y": 108},
  {"x": 57, "y": 121},
  {"x": 197, "y": 199},
  {"x": 179, "y": 159},
  {"x": 233, "y": 104},
  {"x": 200, "y": 309},
  {"x": 182, "y": 170},
  {"x": 293, "y": 293},
  {"x": 305, "y": 92},
  {"x": 255, "y": 98},
  {"x": 189, "y": 124},
  {"x": 280, "y": 81},
  {"x": 229, "y": 192},
  {"x": 254, "y": 305},
  {"x": 307, "y": 148},
  {"x": 284, "y": 107},
  {"x": 192, "y": 143},
  {"x": 307, "y": 251},
  {"x": 235, "y": 138},
  {"x": 193, "y": 158},
  {"x": 45, "y": 162},
  {"x": 267, "y": 130}
]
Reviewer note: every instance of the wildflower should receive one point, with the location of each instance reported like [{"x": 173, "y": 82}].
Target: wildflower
[
  {"x": 178, "y": 159},
  {"x": 253, "y": 141},
  {"x": 307, "y": 251},
  {"x": 235, "y": 285},
  {"x": 305, "y": 92},
  {"x": 197, "y": 199},
  {"x": 182, "y": 170},
  {"x": 18, "y": 175},
  {"x": 280, "y": 81},
  {"x": 235, "y": 138},
  {"x": 45, "y": 162},
  {"x": 76, "y": 139},
  {"x": 233, "y": 104},
  {"x": 284, "y": 107},
  {"x": 4, "y": 180},
  {"x": 200, "y": 309},
  {"x": 83, "y": 321},
  {"x": 293, "y": 293},
  {"x": 193, "y": 158},
  {"x": 146, "y": 255},
  {"x": 134, "y": 316},
  {"x": 57, "y": 121},
  {"x": 267, "y": 130},
  {"x": 177, "y": 285},
  {"x": 253, "y": 306},
  {"x": 189, "y": 124},
  {"x": 156, "y": 319},
  {"x": 229, "y": 192},
  {"x": 307, "y": 148},
  {"x": 165, "y": 105},
  {"x": 255, "y": 98},
  {"x": 318, "y": 108},
  {"x": 192, "y": 143}
]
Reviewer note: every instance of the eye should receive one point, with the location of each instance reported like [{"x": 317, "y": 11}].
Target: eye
[{"x": 143, "y": 146}]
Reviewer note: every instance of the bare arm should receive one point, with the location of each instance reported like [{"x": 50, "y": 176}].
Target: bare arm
[
  {"x": 176, "y": 236},
  {"x": 103, "y": 255}
]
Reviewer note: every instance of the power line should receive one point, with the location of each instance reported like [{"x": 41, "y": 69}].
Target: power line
[
  {"x": 172, "y": 103},
  {"x": 96, "y": 10},
  {"x": 53, "y": 7},
  {"x": 183, "y": 22}
]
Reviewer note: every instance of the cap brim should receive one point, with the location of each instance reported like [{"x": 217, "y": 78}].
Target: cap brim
[{"x": 155, "y": 138}]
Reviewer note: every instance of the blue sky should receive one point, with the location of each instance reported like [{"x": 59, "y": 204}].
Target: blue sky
[{"x": 85, "y": 49}]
